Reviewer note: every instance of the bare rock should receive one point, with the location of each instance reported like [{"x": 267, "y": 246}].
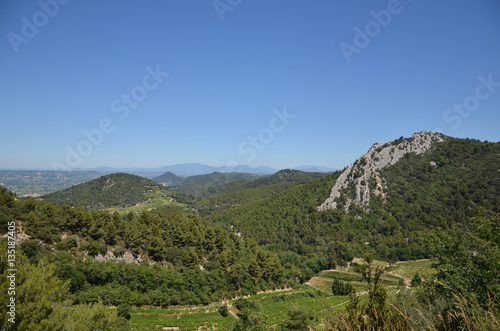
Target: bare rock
[{"x": 353, "y": 185}]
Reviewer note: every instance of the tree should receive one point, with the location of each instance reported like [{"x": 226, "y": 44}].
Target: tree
[
  {"x": 254, "y": 271},
  {"x": 124, "y": 311},
  {"x": 130, "y": 216},
  {"x": 341, "y": 288},
  {"x": 298, "y": 319},
  {"x": 376, "y": 313},
  {"x": 190, "y": 259},
  {"x": 470, "y": 264},
  {"x": 250, "y": 316},
  {"x": 224, "y": 310},
  {"x": 416, "y": 281},
  {"x": 156, "y": 248},
  {"x": 40, "y": 299}
]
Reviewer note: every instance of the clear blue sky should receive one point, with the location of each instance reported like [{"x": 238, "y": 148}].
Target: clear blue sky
[{"x": 65, "y": 69}]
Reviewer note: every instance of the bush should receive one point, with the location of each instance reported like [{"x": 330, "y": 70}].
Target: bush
[
  {"x": 62, "y": 246},
  {"x": 298, "y": 319},
  {"x": 124, "y": 311},
  {"x": 224, "y": 310},
  {"x": 416, "y": 281}
]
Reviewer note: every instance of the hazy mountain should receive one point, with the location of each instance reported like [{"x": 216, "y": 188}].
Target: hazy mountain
[
  {"x": 188, "y": 169},
  {"x": 192, "y": 169},
  {"x": 313, "y": 168}
]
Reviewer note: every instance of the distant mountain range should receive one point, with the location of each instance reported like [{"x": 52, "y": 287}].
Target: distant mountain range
[
  {"x": 190, "y": 169},
  {"x": 312, "y": 168},
  {"x": 193, "y": 169}
]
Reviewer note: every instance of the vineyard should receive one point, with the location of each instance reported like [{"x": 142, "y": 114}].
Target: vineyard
[
  {"x": 273, "y": 307},
  {"x": 315, "y": 296}
]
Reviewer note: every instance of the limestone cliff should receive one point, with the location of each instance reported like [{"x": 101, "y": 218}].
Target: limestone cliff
[{"x": 362, "y": 178}]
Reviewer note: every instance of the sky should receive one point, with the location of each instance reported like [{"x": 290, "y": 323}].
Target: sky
[{"x": 280, "y": 83}]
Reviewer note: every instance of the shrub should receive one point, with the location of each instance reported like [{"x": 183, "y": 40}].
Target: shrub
[
  {"x": 124, "y": 311},
  {"x": 416, "y": 281},
  {"x": 224, "y": 310}
]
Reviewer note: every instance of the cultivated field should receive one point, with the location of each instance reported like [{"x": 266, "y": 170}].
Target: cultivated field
[{"x": 315, "y": 296}]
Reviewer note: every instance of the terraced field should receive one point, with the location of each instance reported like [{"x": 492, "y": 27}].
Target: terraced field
[
  {"x": 408, "y": 269},
  {"x": 315, "y": 296},
  {"x": 273, "y": 305},
  {"x": 323, "y": 281}
]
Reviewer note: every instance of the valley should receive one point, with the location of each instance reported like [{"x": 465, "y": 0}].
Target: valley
[
  {"x": 37, "y": 183},
  {"x": 232, "y": 251}
]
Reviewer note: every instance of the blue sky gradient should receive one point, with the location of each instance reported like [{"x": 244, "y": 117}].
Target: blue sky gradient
[{"x": 228, "y": 78}]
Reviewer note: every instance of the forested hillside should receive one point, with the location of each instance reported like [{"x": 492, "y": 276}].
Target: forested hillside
[
  {"x": 442, "y": 188},
  {"x": 203, "y": 186},
  {"x": 185, "y": 259},
  {"x": 115, "y": 190},
  {"x": 445, "y": 187}
]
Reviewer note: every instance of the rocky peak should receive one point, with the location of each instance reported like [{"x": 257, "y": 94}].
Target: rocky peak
[{"x": 360, "y": 179}]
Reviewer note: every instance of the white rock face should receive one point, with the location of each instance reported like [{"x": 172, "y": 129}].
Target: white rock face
[
  {"x": 127, "y": 258},
  {"x": 358, "y": 175}
]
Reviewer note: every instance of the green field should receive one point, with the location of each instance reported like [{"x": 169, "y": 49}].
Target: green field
[
  {"x": 408, "y": 269},
  {"x": 182, "y": 318},
  {"x": 351, "y": 276}
]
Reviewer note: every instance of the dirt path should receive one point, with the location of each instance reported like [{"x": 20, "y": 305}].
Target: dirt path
[
  {"x": 233, "y": 313},
  {"x": 219, "y": 303}
]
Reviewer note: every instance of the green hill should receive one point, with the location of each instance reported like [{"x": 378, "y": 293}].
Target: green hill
[
  {"x": 442, "y": 188},
  {"x": 286, "y": 176},
  {"x": 114, "y": 190},
  {"x": 169, "y": 179},
  {"x": 239, "y": 193},
  {"x": 240, "y": 197},
  {"x": 203, "y": 186}
]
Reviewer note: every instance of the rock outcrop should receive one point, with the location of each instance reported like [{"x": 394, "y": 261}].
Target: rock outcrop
[
  {"x": 127, "y": 257},
  {"x": 360, "y": 179}
]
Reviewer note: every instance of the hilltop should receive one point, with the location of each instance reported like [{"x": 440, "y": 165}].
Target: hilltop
[
  {"x": 114, "y": 190},
  {"x": 387, "y": 202},
  {"x": 239, "y": 193},
  {"x": 361, "y": 179},
  {"x": 169, "y": 179},
  {"x": 203, "y": 186}
]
